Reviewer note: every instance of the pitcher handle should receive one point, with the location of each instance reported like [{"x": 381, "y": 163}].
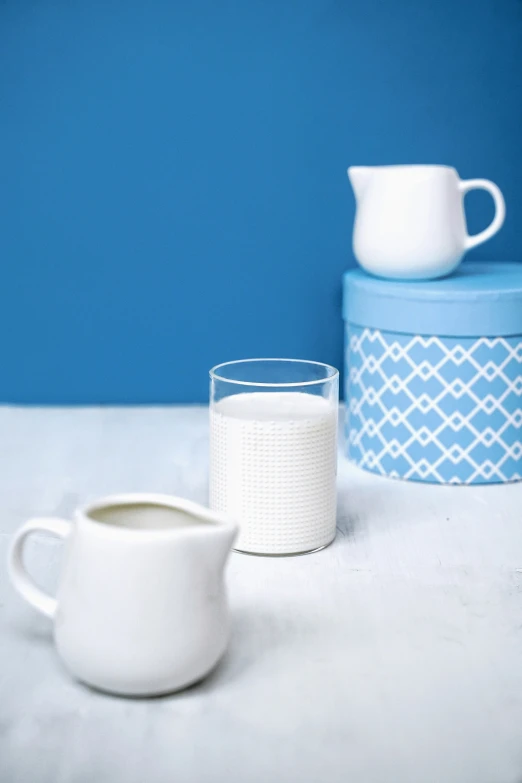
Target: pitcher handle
[
  {"x": 500, "y": 209},
  {"x": 19, "y": 576}
]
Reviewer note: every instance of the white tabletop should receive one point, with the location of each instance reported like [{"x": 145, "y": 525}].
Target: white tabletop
[{"x": 393, "y": 656}]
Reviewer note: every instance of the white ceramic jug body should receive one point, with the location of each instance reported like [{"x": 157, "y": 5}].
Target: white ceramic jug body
[
  {"x": 142, "y": 609},
  {"x": 410, "y": 220}
]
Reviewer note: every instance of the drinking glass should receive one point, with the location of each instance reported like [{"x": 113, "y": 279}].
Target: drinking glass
[{"x": 273, "y": 452}]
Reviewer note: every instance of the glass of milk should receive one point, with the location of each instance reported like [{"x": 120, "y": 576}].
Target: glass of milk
[{"x": 273, "y": 452}]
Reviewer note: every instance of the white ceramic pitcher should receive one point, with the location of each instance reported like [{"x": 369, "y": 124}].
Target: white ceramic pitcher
[
  {"x": 410, "y": 220},
  {"x": 141, "y": 607}
]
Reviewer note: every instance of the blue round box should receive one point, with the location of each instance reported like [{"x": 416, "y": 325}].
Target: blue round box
[{"x": 434, "y": 375}]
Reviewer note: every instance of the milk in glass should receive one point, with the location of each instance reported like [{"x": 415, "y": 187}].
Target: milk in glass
[{"x": 273, "y": 459}]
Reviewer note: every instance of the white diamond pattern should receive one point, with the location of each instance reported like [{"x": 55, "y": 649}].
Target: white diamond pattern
[{"x": 452, "y": 414}]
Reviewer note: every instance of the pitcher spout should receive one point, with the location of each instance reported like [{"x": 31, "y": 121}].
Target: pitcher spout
[
  {"x": 359, "y": 177},
  {"x": 214, "y": 542},
  {"x": 226, "y": 535}
]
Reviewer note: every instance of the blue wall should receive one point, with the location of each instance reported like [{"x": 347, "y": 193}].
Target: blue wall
[{"x": 172, "y": 182}]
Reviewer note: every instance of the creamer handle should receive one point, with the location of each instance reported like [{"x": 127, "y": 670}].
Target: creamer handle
[
  {"x": 500, "y": 209},
  {"x": 19, "y": 576}
]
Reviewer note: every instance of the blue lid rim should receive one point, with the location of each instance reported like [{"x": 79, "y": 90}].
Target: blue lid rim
[{"x": 483, "y": 300}]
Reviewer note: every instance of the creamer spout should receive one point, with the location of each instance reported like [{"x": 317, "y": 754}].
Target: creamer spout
[{"x": 359, "y": 177}]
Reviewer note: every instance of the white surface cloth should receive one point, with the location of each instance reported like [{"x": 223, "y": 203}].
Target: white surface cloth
[{"x": 393, "y": 655}]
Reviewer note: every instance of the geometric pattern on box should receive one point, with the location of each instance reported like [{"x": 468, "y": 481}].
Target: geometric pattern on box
[{"x": 437, "y": 409}]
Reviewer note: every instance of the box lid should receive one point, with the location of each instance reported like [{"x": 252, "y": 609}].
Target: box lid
[{"x": 480, "y": 299}]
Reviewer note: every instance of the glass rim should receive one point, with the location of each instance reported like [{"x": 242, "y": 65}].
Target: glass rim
[{"x": 332, "y": 371}]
